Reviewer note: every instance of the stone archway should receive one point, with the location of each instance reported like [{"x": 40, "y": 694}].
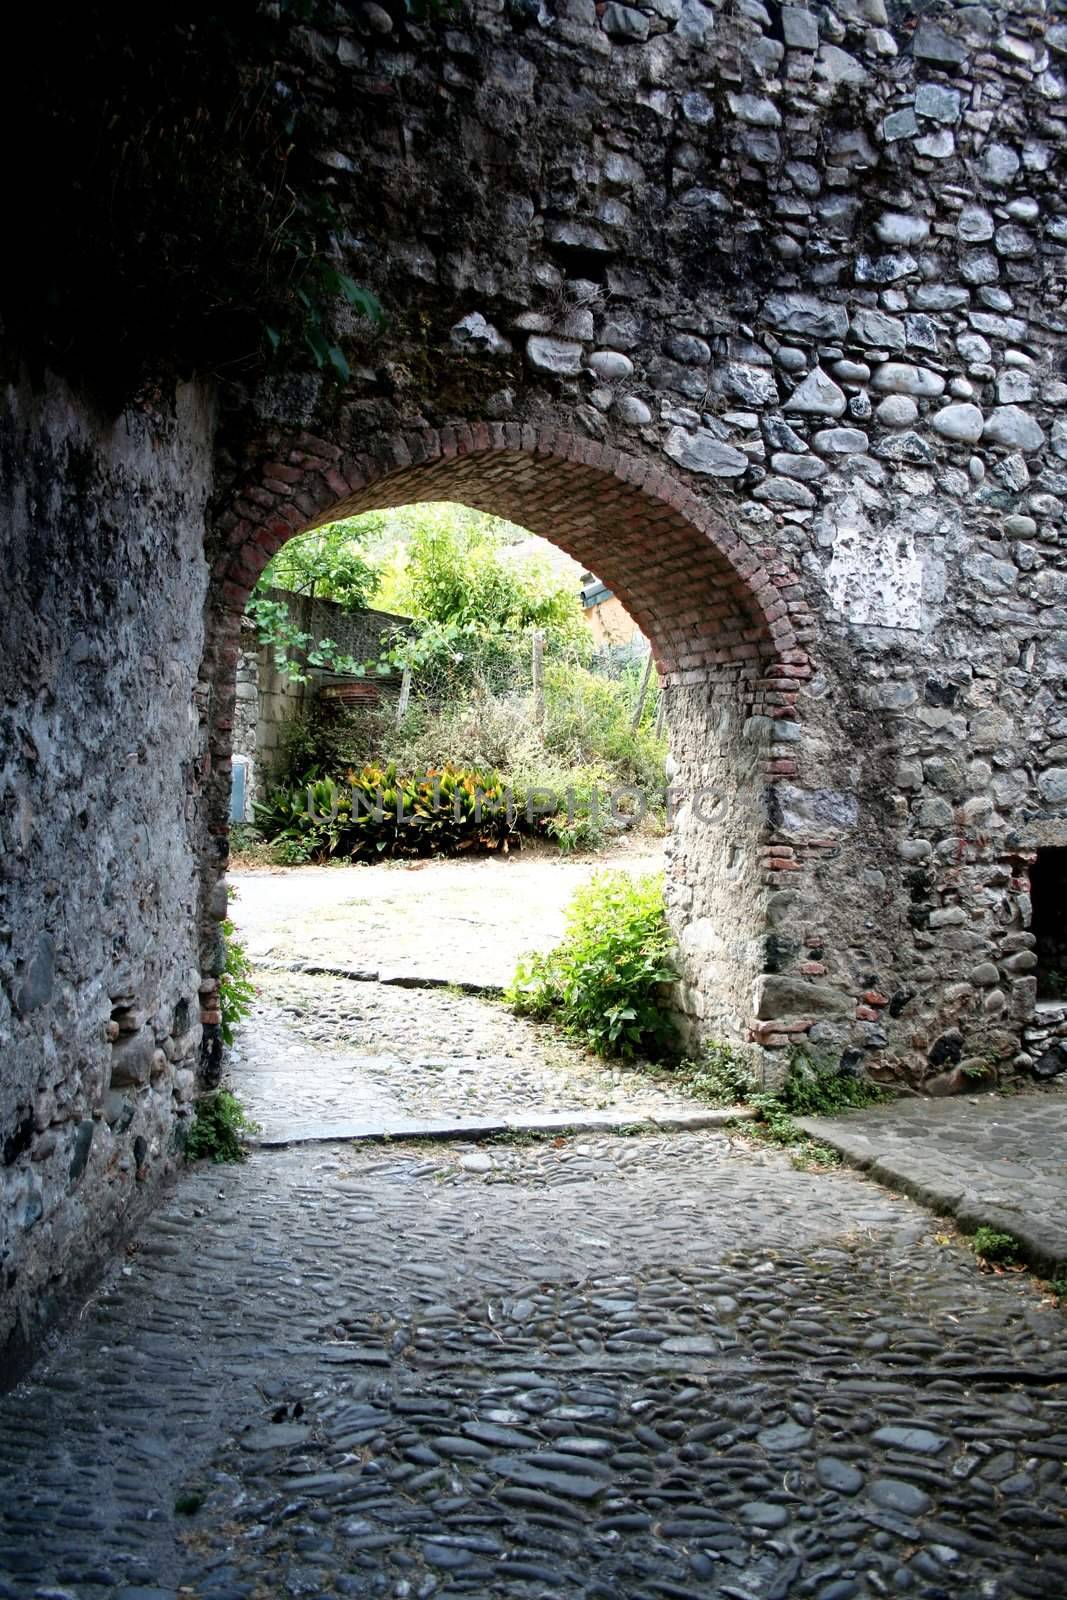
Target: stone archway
[
  {"x": 790, "y": 281},
  {"x": 728, "y": 646}
]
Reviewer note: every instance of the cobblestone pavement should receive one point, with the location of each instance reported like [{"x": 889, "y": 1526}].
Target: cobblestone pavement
[
  {"x": 988, "y": 1159},
  {"x": 618, "y": 1369},
  {"x": 326, "y": 1053},
  {"x": 454, "y": 921}
]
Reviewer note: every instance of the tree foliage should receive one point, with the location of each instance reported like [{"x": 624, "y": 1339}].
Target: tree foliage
[
  {"x": 476, "y": 603},
  {"x": 329, "y": 564}
]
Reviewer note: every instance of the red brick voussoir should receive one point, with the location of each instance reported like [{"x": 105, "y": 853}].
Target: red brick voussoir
[{"x": 700, "y": 594}]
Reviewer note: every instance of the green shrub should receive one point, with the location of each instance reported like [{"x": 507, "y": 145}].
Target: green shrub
[
  {"x": 995, "y": 1249},
  {"x": 605, "y": 982},
  {"x": 218, "y": 1129},
  {"x": 236, "y": 989}
]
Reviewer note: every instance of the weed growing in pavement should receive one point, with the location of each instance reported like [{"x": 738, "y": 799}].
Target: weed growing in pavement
[
  {"x": 219, "y": 1128},
  {"x": 817, "y": 1086},
  {"x": 721, "y": 1077},
  {"x": 995, "y": 1249},
  {"x": 813, "y": 1086},
  {"x": 520, "y": 1137}
]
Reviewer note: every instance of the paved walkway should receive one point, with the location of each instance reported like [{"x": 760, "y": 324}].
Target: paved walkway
[
  {"x": 463, "y": 921},
  {"x": 616, "y": 1369},
  {"x": 985, "y": 1160}
]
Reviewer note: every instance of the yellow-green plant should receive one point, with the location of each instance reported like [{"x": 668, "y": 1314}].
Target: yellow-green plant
[{"x": 379, "y": 811}]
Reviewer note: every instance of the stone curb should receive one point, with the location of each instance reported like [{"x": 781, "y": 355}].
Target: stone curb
[
  {"x": 477, "y": 1128},
  {"x": 400, "y": 980},
  {"x": 916, "y": 1178}
]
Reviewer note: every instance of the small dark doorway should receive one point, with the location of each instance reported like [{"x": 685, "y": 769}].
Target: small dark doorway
[{"x": 1048, "y": 889}]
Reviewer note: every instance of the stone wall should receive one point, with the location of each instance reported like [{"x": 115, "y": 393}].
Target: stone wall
[
  {"x": 101, "y": 634},
  {"x": 267, "y": 699},
  {"x": 796, "y": 277}
]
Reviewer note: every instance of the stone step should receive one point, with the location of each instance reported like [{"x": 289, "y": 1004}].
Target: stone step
[
  {"x": 337, "y": 1130},
  {"x": 399, "y": 978}
]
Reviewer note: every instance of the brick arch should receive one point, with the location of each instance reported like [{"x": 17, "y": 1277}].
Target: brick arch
[
  {"x": 727, "y": 622},
  {"x": 704, "y": 598}
]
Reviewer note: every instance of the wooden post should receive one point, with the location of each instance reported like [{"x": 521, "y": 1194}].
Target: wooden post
[
  {"x": 405, "y": 696},
  {"x": 538, "y": 676},
  {"x": 643, "y": 694},
  {"x": 661, "y": 711}
]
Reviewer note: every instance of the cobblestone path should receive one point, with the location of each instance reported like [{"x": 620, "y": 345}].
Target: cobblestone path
[
  {"x": 618, "y": 1369},
  {"x": 327, "y": 1053},
  {"x": 465, "y": 920}
]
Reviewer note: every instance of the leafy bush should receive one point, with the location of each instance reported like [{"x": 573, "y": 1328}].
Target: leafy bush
[
  {"x": 236, "y": 989},
  {"x": 218, "y": 1129},
  {"x": 605, "y": 982},
  {"x": 995, "y": 1249}
]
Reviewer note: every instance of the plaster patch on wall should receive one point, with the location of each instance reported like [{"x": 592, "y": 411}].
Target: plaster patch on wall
[{"x": 875, "y": 575}]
